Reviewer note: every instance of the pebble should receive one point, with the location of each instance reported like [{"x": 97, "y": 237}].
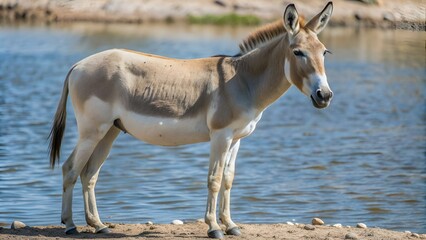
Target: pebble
[
  {"x": 317, "y": 221},
  {"x": 309, "y": 227},
  {"x": 338, "y": 225},
  {"x": 415, "y": 235},
  {"x": 290, "y": 223},
  {"x": 361, "y": 225},
  {"x": 351, "y": 236},
  {"x": 17, "y": 225},
  {"x": 388, "y": 16},
  {"x": 177, "y": 222},
  {"x": 149, "y": 223},
  {"x": 200, "y": 220}
]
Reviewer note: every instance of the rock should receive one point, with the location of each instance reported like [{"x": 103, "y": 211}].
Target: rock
[
  {"x": 415, "y": 235},
  {"x": 309, "y": 227},
  {"x": 372, "y": 2},
  {"x": 388, "y": 16},
  {"x": 351, "y": 236},
  {"x": 149, "y": 223},
  {"x": 220, "y": 3},
  {"x": 338, "y": 225},
  {"x": 407, "y": 232},
  {"x": 177, "y": 222},
  {"x": 200, "y": 220},
  {"x": 317, "y": 221},
  {"x": 361, "y": 225},
  {"x": 17, "y": 225},
  {"x": 290, "y": 223},
  {"x": 357, "y": 17}
]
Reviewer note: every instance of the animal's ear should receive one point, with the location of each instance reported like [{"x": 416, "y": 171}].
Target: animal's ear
[
  {"x": 318, "y": 23},
  {"x": 291, "y": 19}
]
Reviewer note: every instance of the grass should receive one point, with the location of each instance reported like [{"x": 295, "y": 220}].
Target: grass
[{"x": 225, "y": 19}]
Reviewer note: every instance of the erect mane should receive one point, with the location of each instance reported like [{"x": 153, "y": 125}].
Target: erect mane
[{"x": 263, "y": 35}]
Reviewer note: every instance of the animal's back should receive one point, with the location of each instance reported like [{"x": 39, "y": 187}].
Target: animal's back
[{"x": 144, "y": 83}]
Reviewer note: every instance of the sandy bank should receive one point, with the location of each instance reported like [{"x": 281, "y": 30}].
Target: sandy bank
[
  {"x": 396, "y": 13},
  {"x": 198, "y": 230}
]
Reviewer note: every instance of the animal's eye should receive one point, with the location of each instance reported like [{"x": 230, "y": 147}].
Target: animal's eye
[
  {"x": 327, "y": 51},
  {"x": 299, "y": 53}
]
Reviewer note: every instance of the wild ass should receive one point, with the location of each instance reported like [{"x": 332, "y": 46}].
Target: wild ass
[{"x": 170, "y": 102}]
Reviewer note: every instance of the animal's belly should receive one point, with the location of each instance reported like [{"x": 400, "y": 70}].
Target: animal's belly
[{"x": 166, "y": 131}]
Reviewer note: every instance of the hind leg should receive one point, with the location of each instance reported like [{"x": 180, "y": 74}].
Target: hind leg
[
  {"x": 89, "y": 177},
  {"x": 90, "y": 135}
]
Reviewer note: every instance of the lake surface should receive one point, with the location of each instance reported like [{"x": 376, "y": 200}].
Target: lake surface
[{"x": 363, "y": 159}]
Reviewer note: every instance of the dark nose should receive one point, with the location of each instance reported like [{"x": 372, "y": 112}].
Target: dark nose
[{"x": 324, "y": 95}]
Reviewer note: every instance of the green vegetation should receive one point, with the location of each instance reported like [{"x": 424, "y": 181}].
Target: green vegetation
[{"x": 225, "y": 19}]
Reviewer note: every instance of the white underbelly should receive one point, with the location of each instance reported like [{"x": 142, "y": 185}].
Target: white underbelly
[{"x": 166, "y": 131}]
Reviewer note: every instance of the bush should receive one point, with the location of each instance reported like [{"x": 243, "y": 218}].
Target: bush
[{"x": 225, "y": 19}]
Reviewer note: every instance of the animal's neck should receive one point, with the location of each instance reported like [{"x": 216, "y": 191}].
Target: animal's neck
[{"x": 264, "y": 72}]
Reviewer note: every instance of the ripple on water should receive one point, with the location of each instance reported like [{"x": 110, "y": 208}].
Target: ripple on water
[
  {"x": 8, "y": 170},
  {"x": 378, "y": 210},
  {"x": 317, "y": 167}
]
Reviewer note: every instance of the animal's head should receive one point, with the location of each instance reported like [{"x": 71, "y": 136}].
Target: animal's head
[{"x": 304, "y": 65}]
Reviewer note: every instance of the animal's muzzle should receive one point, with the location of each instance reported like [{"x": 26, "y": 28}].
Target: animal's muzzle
[{"x": 321, "y": 98}]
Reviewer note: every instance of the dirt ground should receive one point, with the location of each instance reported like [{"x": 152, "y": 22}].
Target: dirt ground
[
  {"x": 396, "y": 13},
  {"x": 197, "y": 230}
]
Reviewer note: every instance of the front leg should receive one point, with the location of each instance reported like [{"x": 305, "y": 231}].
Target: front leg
[
  {"x": 220, "y": 143},
  {"x": 225, "y": 191}
]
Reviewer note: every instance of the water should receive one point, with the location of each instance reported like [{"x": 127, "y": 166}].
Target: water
[{"x": 360, "y": 160}]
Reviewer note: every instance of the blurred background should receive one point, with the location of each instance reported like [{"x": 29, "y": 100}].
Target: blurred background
[{"x": 363, "y": 159}]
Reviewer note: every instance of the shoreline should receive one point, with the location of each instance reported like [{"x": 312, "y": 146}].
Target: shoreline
[
  {"x": 198, "y": 230},
  {"x": 397, "y": 14}
]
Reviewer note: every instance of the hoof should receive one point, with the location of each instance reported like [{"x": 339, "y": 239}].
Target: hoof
[
  {"x": 71, "y": 231},
  {"x": 234, "y": 231},
  {"x": 104, "y": 230},
  {"x": 215, "y": 234}
]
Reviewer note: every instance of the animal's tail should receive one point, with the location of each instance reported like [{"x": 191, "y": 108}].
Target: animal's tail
[{"x": 58, "y": 127}]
